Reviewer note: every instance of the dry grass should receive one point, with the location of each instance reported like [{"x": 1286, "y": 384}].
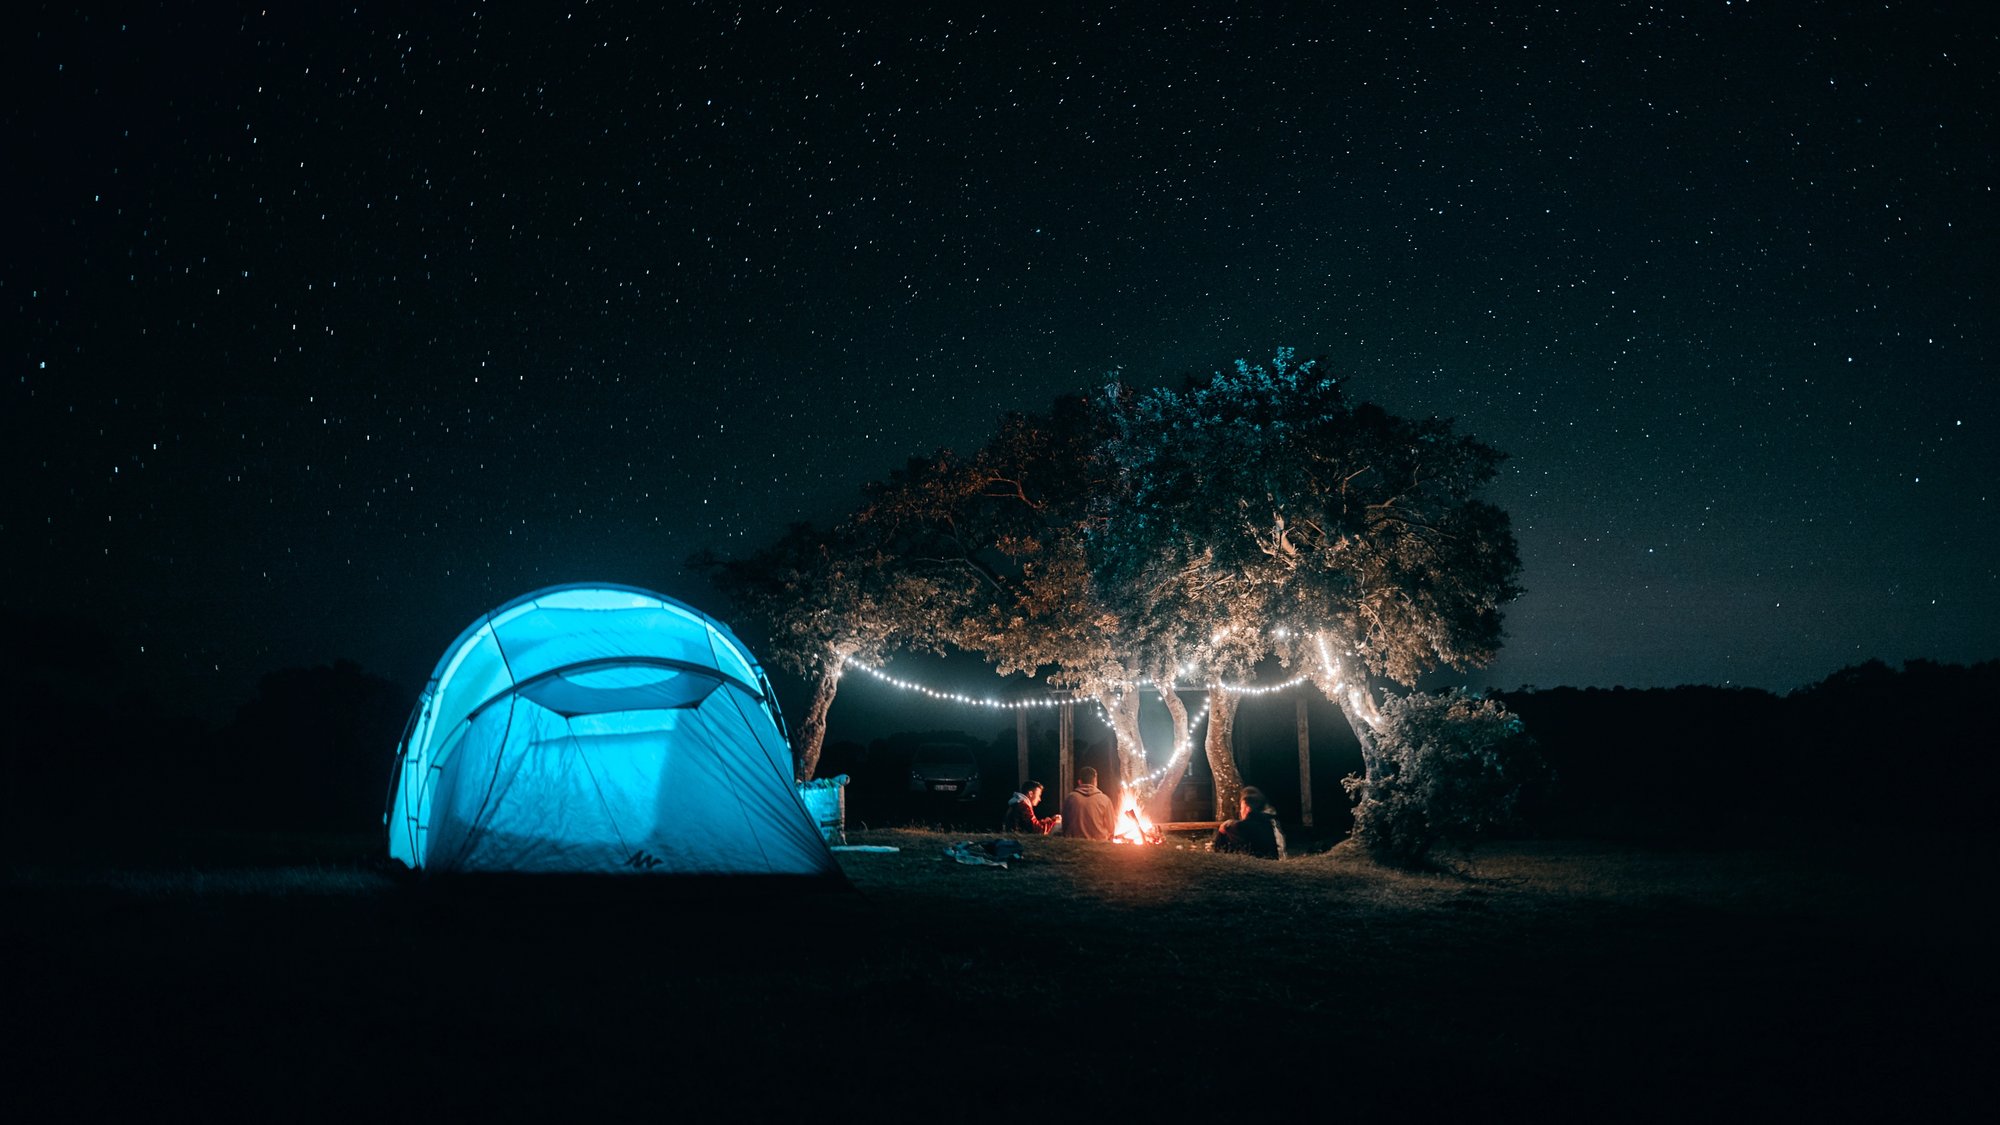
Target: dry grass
[{"x": 1554, "y": 980}]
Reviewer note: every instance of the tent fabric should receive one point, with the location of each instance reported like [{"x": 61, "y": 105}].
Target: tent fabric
[{"x": 594, "y": 729}]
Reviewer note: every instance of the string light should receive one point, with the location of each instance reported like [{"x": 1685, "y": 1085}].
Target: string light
[
  {"x": 1235, "y": 689},
  {"x": 958, "y": 697},
  {"x": 1261, "y": 689},
  {"x": 1194, "y": 726},
  {"x": 1060, "y": 700},
  {"x": 1103, "y": 716},
  {"x": 1154, "y": 778}
]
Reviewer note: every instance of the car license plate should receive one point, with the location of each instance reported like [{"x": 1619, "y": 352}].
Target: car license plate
[{"x": 947, "y": 788}]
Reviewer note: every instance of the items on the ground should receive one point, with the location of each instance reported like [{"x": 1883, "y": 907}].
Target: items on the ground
[{"x": 992, "y": 853}]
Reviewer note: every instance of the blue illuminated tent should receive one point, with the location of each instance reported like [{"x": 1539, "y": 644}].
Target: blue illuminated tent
[{"x": 599, "y": 729}]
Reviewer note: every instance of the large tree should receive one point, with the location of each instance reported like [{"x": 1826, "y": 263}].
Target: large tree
[
  {"x": 1173, "y": 535},
  {"x": 823, "y": 597},
  {"x": 1330, "y": 534}
]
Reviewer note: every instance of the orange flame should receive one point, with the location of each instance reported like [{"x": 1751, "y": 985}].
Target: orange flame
[{"x": 1134, "y": 826}]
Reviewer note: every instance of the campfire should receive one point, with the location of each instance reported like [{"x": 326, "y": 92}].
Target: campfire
[{"x": 1134, "y": 826}]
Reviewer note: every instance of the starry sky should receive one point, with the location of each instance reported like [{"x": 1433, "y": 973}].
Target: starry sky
[{"x": 329, "y": 327}]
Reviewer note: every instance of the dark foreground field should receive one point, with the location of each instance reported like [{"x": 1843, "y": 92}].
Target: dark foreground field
[{"x": 281, "y": 979}]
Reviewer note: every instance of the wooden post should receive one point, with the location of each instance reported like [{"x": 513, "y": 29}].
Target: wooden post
[
  {"x": 1066, "y": 751},
  {"x": 1305, "y": 766},
  {"x": 1021, "y": 744}
]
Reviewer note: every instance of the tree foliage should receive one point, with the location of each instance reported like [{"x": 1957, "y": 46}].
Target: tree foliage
[
  {"x": 1008, "y": 525},
  {"x": 820, "y": 597},
  {"x": 1266, "y": 499}
]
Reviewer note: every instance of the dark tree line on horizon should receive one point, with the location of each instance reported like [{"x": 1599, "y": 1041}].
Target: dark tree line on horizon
[
  {"x": 1871, "y": 751},
  {"x": 1899, "y": 756}
]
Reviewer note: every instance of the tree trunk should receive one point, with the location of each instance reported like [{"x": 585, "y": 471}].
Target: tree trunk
[
  {"x": 1359, "y": 710},
  {"x": 1221, "y": 746},
  {"x": 1159, "y": 804},
  {"x": 1123, "y": 710},
  {"x": 812, "y": 729},
  {"x": 1357, "y": 706}
]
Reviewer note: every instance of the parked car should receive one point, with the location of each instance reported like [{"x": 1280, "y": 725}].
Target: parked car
[{"x": 945, "y": 768}]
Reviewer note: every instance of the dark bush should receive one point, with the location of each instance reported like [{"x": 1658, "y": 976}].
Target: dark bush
[{"x": 1450, "y": 771}]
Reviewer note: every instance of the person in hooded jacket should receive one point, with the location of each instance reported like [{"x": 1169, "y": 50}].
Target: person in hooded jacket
[
  {"x": 1256, "y": 832},
  {"x": 1087, "y": 810},
  {"x": 1021, "y": 816}
]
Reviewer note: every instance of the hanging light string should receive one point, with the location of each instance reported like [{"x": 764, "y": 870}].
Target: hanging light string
[
  {"x": 959, "y": 697},
  {"x": 1326, "y": 659},
  {"x": 1059, "y": 700},
  {"x": 1194, "y": 735},
  {"x": 1239, "y": 689},
  {"x": 1359, "y": 700},
  {"x": 1180, "y": 751}
]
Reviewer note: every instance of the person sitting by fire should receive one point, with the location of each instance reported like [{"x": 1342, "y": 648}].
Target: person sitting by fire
[
  {"x": 1256, "y": 832},
  {"x": 1021, "y": 816},
  {"x": 1087, "y": 811}
]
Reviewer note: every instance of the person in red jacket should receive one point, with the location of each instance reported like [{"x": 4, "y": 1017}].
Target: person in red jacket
[{"x": 1021, "y": 813}]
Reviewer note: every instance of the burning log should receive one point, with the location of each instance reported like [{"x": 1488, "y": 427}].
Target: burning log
[{"x": 1134, "y": 826}]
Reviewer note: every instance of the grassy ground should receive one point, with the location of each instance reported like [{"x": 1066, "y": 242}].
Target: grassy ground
[{"x": 295, "y": 977}]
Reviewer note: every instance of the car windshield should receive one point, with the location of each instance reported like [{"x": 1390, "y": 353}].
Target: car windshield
[{"x": 944, "y": 756}]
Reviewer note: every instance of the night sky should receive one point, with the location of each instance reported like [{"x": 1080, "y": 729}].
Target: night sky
[{"x": 329, "y": 327}]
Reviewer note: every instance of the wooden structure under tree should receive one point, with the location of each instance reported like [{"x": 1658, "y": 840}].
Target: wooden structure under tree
[
  {"x": 1021, "y": 748},
  {"x": 1305, "y": 766},
  {"x": 1066, "y": 749}
]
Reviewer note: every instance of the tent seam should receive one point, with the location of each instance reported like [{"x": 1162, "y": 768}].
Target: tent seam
[
  {"x": 479, "y": 816},
  {"x": 598, "y": 788}
]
